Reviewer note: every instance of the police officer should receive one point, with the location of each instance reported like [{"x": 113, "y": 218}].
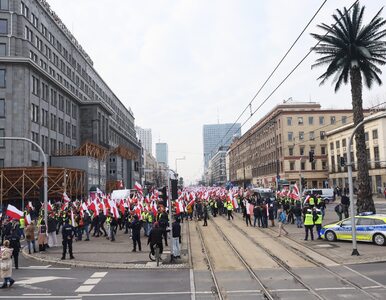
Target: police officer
[
  {"x": 68, "y": 233},
  {"x": 229, "y": 207},
  {"x": 309, "y": 223},
  {"x": 318, "y": 222},
  {"x": 14, "y": 243},
  {"x": 311, "y": 201}
]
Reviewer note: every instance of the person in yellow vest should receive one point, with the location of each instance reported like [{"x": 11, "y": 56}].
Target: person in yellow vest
[
  {"x": 311, "y": 201},
  {"x": 149, "y": 222},
  {"x": 308, "y": 222},
  {"x": 108, "y": 226},
  {"x": 318, "y": 222},
  {"x": 229, "y": 207},
  {"x": 22, "y": 225}
]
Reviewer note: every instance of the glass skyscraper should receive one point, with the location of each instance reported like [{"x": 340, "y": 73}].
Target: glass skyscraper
[{"x": 216, "y": 136}]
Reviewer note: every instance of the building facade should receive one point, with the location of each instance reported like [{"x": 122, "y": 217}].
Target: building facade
[
  {"x": 145, "y": 137},
  {"x": 276, "y": 149},
  {"x": 216, "y": 136},
  {"x": 51, "y": 93},
  {"x": 162, "y": 153},
  {"x": 217, "y": 168},
  {"x": 375, "y": 135}
]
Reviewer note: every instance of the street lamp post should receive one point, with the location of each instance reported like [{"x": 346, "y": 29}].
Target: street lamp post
[
  {"x": 350, "y": 180},
  {"x": 45, "y": 177},
  {"x": 181, "y": 158}
]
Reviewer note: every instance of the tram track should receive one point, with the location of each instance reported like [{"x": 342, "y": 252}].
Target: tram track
[{"x": 301, "y": 255}]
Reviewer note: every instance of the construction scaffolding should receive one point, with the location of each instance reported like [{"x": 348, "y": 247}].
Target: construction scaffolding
[{"x": 27, "y": 183}]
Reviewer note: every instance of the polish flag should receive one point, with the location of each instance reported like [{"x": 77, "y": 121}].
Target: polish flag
[
  {"x": 72, "y": 218},
  {"x": 27, "y": 219},
  {"x": 154, "y": 208},
  {"x": 30, "y": 206},
  {"x": 13, "y": 212},
  {"x": 138, "y": 187},
  {"x": 49, "y": 206},
  {"x": 94, "y": 207},
  {"x": 99, "y": 192},
  {"x": 65, "y": 198}
]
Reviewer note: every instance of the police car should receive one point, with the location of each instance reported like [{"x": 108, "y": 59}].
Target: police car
[{"x": 370, "y": 228}]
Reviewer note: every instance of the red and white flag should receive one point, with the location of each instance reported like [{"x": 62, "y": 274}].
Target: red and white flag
[
  {"x": 13, "y": 212},
  {"x": 138, "y": 187},
  {"x": 30, "y": 206},
  {"x": 72, "y": 219},
  {"x": 27, "y": 219},
  {"x": 65, "y": 198}
]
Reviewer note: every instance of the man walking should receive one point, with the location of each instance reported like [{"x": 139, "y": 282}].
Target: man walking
[
  {"x": 176, "y": 235},
  {"x": 68, "y": 233},
  {"x": 136, "y": 233}
]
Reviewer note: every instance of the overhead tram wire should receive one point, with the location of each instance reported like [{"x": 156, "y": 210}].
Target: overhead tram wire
[
  {"x": 291, "y": 72},
  {"x": 273, "y": 72}
]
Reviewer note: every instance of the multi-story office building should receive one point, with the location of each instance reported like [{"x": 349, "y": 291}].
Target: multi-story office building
[
  {"x": 162, "y": 153},
  {"x": 51, "y": 93},
  {"x": 278, "y": 146},
  {"x": 375, "y": 135},
  {"x": 145, "y": 137},
  {"x": 216, "y": 136},
  {"x": 217, "y": 168}
]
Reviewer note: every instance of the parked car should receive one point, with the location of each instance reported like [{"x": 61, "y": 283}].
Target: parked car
[{"x": 370, "y": 228}]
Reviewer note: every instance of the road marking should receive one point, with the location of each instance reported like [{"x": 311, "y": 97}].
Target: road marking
[
  {"x": 366, "y": 277},
  {"x": 289, "y": 290},
  {"x": 335, "y": 288},
  {"x": 92, "y": 281},
  {"x": 40, "y": 268},
  {"x": 84, "y": 288},
  {"x": 371, "y": 287},
  {"x": 98, "y": 275},
  {"x": 192, "y": 287},
  {"x": 37, "y": 294},
  {"x": 40, "y": 279}
]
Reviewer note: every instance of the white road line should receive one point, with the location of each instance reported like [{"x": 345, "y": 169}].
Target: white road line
[
  {"x": 84, "y": 288},
  {"x": 335, "y": 288},
  {"x": 244, "y": 291},
  {"x": 92, "y": 281},
  {"x": 37, "y": 294},
  {"x": 371, "y": 287},
  {"x": 289, "y": 290},
  {"x": 366, "y": 277},
  {"x": 192, "y": 286},
  {"x": 39, "y": 268},
  {"x": 98, "y": 275}
]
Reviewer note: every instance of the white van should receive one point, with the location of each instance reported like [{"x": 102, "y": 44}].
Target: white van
[{"x": 327, "y": 194}]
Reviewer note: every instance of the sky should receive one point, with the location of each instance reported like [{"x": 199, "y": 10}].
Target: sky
[{"x": 180, "y": 64}]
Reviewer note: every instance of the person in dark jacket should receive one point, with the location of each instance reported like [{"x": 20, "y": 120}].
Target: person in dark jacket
[
  {"x": 14, "y": 240},
  {"x": 205, "y": 215},
  {"x": 51, "y": 229},
  {"x": 68, "y": 233},
  {"x": 257, "y": 216},
  {"x": 163, "y": 221},
  {"x": 155, "y": 238},
  {"x": 86, "y": 225},
  {"x": 136, "y": 233},
  {"x": 176, "y": 237},
  {"x": 271, "y": 215}
]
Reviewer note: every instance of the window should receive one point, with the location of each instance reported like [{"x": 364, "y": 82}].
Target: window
[
  {"x": 35, "y": 20},
  {"x": 53, "y": 122},
  {"x": 44, "y": 91},
  {"x": 1, "y": 163},
  {"x": 301, "y": 150},
  {"x": 28, "y": 35},
  {"x": 68, "y": 129},
  {"x": 375, "y": 134},
  {"x": 313, "y": 166},
  {"x": 2, "y": 108},
  {"x": 289, "y": 121},
  {"x": 53, "y": 146},
  {"x": 301, "y": 135},
  {"x": 73, "y": 132},
  {"x": 344, "y": 119},
  {"x": 292, "y": 166},
  {"x": 2, "y": 78},
  {"x": 290, "y": 136},
  {"x": 34, "y": 57},
  {"x": 344, "y": 143},
  {"x": 4, "y": 5},
  {"x": 61, "y": 103},
  {"x": 2, "y": 134},
  {"x": 35, "y": 138},
  {"x": 331, "y": 146},
  {"x": 74, "y": 111},
  {"x": 366, "y": 136},
  {"x": 68, "y": 107},
  {"x": 44, "y": 117},
  {"x": 24, "y": 10},
  {"x": 34, "y": 113},
  {"x": 324, "y": 165},
  {"x": 365, "y": 221},
  {"x": 321, "y": 120},
  {"x": 300, "y": 120},
  {"x": 332, "y": 120},
  {"x": 61, "y": 126},
  {"x": 323, "y": 150},
  {"x": 61, "y": 146},
  {"x": 379, "y": 222},
  {"x": 45, "y": 144},
  {"x": 291, "y": 151},
  {"x": 35, "y": 86},
  {"x": 337, "y": 144},
  {"x": 310, "y": 120},
  {"x": 3, "y": 49},
  {"x": 376, "y": 157},
  {"x": 44, "y": 30},
  {"x": 312, "y": 135},
  {"x": 3, "y": 26},
  {"x": 302, "y": 165},
  {"x": 54, "y": 99}
]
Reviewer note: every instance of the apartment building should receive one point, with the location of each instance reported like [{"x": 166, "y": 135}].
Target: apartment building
[
  {"x": 276, "y": 149},
  {"x": 375, "y": 135}
]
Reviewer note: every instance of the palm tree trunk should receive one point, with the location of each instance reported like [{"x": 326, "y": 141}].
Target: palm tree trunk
[{"x": 364, "y": 201}]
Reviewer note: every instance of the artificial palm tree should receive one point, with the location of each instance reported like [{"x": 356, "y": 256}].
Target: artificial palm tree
[{"x": 354, "y": 51}]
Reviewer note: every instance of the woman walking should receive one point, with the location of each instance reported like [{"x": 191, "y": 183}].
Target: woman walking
[
  {"x": 282, "y": 221},
  {"x": 30, "y": 237},
  {"x": 6, "y": 265}
]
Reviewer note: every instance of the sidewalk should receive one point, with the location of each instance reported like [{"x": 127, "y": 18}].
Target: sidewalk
[
  {"x": 340, "y": 251},
  {"x": 102, "y": 253}
]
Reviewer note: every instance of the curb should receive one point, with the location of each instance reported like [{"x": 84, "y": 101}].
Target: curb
[{"x": 105, "y": 265}]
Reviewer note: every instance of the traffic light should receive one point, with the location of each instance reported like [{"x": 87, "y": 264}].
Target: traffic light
[
  {"x": 311, "y": 156},
  {"x": 342, "y": 161}
]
